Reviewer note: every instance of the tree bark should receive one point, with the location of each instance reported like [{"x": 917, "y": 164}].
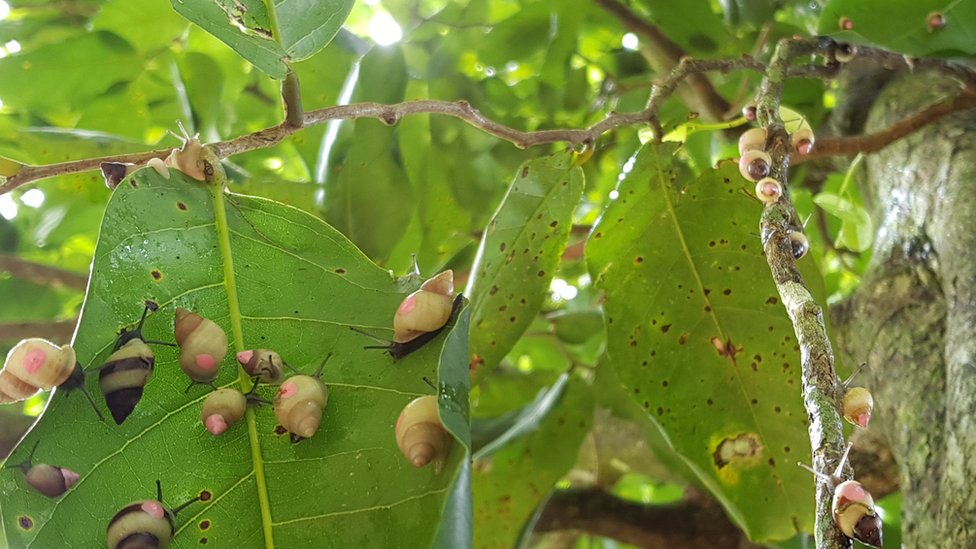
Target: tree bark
[{"x": 913, "y": 318}]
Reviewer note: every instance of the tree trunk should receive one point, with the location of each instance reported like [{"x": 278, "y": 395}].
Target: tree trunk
[{"x": 913, "y": 319}]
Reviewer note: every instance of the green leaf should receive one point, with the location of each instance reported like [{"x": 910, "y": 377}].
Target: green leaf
[
  {"x": 903, "y": 26},
  {"x": 520, "y": 252},
  {"x": 497, "y": 432},
  {"x": 272, "y": 277},
  {"x": 269, "y": 34},
  {"x": 509, "y": 485},
  {"x": 253, "y": 42},
  {"x": 698, "y": 336},
  {"x": 857, "y": 229},
  {"x": 69, "y": 74}
]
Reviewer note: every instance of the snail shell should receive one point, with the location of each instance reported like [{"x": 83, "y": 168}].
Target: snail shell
[
  {"x": 264, "y": 364},
  {"x": 854, "y": 513},
  {"x": 203, "y": 345},
  {"x": 222, "y": 409},
  {"x": 34, "y": 365},
  {"x": 299, "y": 403},
  {"x": 421, "y": 435},
  {"x": 857, "y": 405},
  {"x": 144, "y": 524},
  {"x": 425, "y": 310},
  {"x": 50, "y": 480},
  {"x": 123, "y": 377}
]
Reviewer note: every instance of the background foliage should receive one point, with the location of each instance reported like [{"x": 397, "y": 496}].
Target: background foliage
[{"x": 669, "y": 266}]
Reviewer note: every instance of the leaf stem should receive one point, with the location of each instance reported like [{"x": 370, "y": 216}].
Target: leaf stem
[{"x": 230, "y": 282}]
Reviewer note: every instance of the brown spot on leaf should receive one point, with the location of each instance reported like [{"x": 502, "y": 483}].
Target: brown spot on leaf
[
  {"x": 683, "y": 338},
  {"x": 204, "y": 524},
  {"x": 525, "y": 172},
  {"x": 205, "y": 495},
  {"x": 744, "y": 446},
  {"x": 660, "y": 411},
  {"x": 133, "y": 183},
  {"x": 502, "y": 247},
  {"x": 711, "y": 243},
  {"x": 475, "y": 362},
  {"x": 638, "y": 260},
  {"x": 554, "y": 224},
  {"x": 665, "y": 328},
  {"x": 772, "y": 301},
  {"x": 156, "y": 274},
  {"x": 25, "y": 522},
  {"x": 542, "y": 273},
  {"x": 181, "y": 206},
  {"x": 493, "y": 290},
  {"x": 280, "y": 430},
  {"x": 727, "y": 291}
]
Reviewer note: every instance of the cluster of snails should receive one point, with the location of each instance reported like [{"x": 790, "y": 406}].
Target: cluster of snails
[
  {"x": 755, "y": 165},
  {"x": 298, "y": 404}
]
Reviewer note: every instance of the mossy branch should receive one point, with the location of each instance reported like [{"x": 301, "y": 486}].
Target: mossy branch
[{"x": 778, "y": 221}]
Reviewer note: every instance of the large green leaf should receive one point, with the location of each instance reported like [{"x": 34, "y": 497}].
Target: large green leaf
[
  {"x": 512, "y": 482},
  {"x": 903, "y": 26},
  {"x": 271, "y": 276},
  {"x": 698, "y": 336},
  {"x": 269, "y": 34},
  {"x": 520, "y": 252}
]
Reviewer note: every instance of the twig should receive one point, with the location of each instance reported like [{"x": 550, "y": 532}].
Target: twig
[
  {"x": 713, "y": 101},
  {"x": 874, "y": 142},
  {"x": 39, "y": 273},
  {"x": 777, "y": 222},
  {"x": 58, "y": 331},
  {"x": 694, "y": 523}
]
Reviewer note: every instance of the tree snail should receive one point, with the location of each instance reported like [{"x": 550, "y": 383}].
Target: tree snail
[
  {"x": 857, "y": 402},
  {"x": 128, "y": 369},
  {"x": 203, "y": 345},
  {"x": 422, "y": 316},
  {"x": 752, "y": 140},
  {"x": 186, "y": 158},
  {"x": 50, "y": 480},
  {"x": 225, "y": 407},
  {"x": 144, "y": 524},
  {"x": 754, "y": 165},
  {"x": 38, "y": 365},
  {"x": 853, "y": 506},
  {"x": 264, "y": 364},
  {"x": 421, "y": 435},
  {"x": 299, "y": 403},
  {"x": 802, "y": 140}
]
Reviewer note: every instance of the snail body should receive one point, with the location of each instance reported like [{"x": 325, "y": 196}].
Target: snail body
[
  {"x": 421, "y": 436},
  {"x": 264, "y": 364},
  {"x": 299, "y": 403},
  {"x": 422, "y": 316},
  {"x": 186, "y": 158},
  {"x": 852, "y": 506},
  {"x": 203, "y": 345},
  {"x": 144, "y": 524},
  {"x": 50, "y": 480},
  {"x": 38, "y": 365},
  {"x": 127, "y": 370}
]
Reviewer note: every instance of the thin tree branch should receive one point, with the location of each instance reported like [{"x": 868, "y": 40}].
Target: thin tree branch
[
  {"x": 39, "y": 273},
  {"x": 58, "y": 331},
  {"x": 695, "y": 523},
  {"x": 874, "y": 142},
  {"x": 779, "y": 225},
  {"x": 713, "y": 101}
]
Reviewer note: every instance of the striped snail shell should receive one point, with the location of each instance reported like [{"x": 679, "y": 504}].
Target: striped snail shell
[
  {"x": 144, "y": 524},
  {"x": 264, "y": 364},
  {"x": 127, "y": 370},
  {"x": 222, "y": 409},
  {"x": 203, "y": 345},
  {"x": 421, "y": 435},
  {"x": 299, "y": 403},
  {"x": 50, "y": 480}
]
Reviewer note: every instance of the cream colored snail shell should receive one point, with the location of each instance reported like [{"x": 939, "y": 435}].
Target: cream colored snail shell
[
  {"x": 186, "y": 158},
  {"x": 142, "y": 525},
  {"x": 802, "y": 140},
  {"x": 264, "y": 364},
  {"x": 203, "y": 345},
  {"x": 752, "y": 140},
  {"x": 857, "y": 405},
  {"x": 855, "y": 515},
  {"x": 420, "y": 434},
  {"x": 754, "y": 165},
  {"x": 799, "y": 244},
  {"x": 769, "y": 190},
  {"x": 299, "y": 403},
  {"x": 222, "y": 409},
  {"x": 34, "y": 365},
  {"x": 425, "y": 310}
]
